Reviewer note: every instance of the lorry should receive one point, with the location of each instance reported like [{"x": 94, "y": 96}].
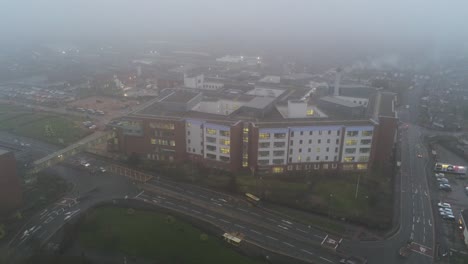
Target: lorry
[{"x": 449, "y": 168}]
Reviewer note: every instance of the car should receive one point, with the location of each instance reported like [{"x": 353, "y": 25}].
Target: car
[
  {"x": 449, "y": 217},
  {"x": 442, "y": 180},
  {"x": 466, "y": 190},
  {"x": 420, "y": 155},
  {"x": 447, "y": 210},
  {"x": 445, "y": 187},
  {"x": 102, "y": 169},
  {"x": 443, "y": 213},
  {"x": 444, "y": 205},
  {"x": 440, "y": 175}
]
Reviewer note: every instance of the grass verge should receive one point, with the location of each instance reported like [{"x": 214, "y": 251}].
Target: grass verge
[{"x": 154, "y": 236}]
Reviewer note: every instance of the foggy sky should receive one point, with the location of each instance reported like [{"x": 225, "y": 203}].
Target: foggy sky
[{"x": 373, "y": 21}]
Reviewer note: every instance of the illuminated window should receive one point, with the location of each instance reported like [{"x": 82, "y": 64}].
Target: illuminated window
[
  {"x": 279, "y": 135},
  {"x": 246, "y": 130},
  {"x": 362, "y": 166},
  {"x": 211, "y": 131},
  {"x": 189, "y": 124},
  {"x": 351, "y": 133},
  {"x": 348, "y": 159},
  {"x": 225, "y": 142},
  {"x": 310, "y": 112},
  {"x": 245, "y": 164},
  {"x": 366, "y": 133},
  {"x": 246, "y": 139},
  {"x": 278, "y": 169},
  {"x": 351, "y": 142},
  {"x": 224, "y": 133},
  {"x": 317, "y": 150},
  {"x": 172, "y": 143},
  {"x": 299, "y": 158},
  {"x": 264, "y": 135},
  {"x": 363, "y": 158},
  {"x": 224, "y": 150},
  {"x": 153, "y": 141},
  {"x": 169, "y": 126}
]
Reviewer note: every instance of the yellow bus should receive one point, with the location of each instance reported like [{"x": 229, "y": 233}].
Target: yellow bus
[{"x": 252, "y": 198}]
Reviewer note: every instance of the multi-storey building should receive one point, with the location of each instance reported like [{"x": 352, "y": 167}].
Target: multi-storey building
[{"x": 273, "y": 134}]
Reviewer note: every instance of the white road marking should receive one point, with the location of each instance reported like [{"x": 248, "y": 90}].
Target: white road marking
[
  {"x": 48, "y": 220},
  {"x": 413, "y": 218},
  {"x": 225, "y": 221},
  {"x": 424, "y": 238},
  {"x": 239, "y": 226},
  {"x": 317, "y": 236},
  {"x": 274, "y": 238},
  {"x": 287, "y": 244},
  {"x": 210, "y": 216},
  {"x": 412, "y": 228},
  {"x": 195, "y": 211},
  {"x": 429, "y": 222},
  {"x": 308, "y": 252},
  {"x": 243, "y": 210},
  {"x": 254, "y": 214},
  {"x": 412, "y": 236},
  {"x": 303, "y": 231},
  {"x": 419, "y": 219},
  {"x": 171, "y": 203},
  {"x": 255, "y": 231},
  {"x": 326, "y": 259},
  {"x": 139, "y": 194}
]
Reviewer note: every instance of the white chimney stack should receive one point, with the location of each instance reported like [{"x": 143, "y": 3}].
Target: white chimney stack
[{"x": 336, "y": 91}]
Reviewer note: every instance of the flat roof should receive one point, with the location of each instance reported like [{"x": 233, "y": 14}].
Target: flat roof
[
  {"x": 386, "y": 107},
  {"x": 260, "y": 102},
  {"x": 339, "y": 101},
  {"x": 178, "y": 96}
]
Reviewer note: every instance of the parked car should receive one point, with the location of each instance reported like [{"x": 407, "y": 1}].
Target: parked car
[
  {"x": 446, "y": 210},
  {"x": 440, "y": 175},
  {"x": 442, "y": 180},
  {"x": 444, "y": 205},
  {"x": 445, "y": 187},
  {"x": 448, "y": 217}
]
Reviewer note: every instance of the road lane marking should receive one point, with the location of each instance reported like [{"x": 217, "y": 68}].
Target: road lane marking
[
  {"x": 195, "y": 211},
  {"x": 303, "y": 231},
  {"x": 171, "y": 203},
  {"x": 283, "y": 227},
  {"x": 419, "y": 219},
  {"x": 287, "y": 244},
  {"x": 255, "y": 231},
  {"x": 412, "y": 236},
  {"x": 239, "y": 226},
  {"x": 48, "y": 220},
  {"x": 413, "y": 219},
  {"x": 225, "y": 221},
  {"x": 274, "y": 238},
  {"x": 317, "y": 236},
  {"x": 254, "y": 214},
  {"x": 412, "y": 228},
  {"x": 308, "y": 252},
  {"x": 210, "y": 216},
  {"x": 326, "y": 259},
  {"x": 429, "y": 222},
  {"x": 243, "y": 210},
  {"x": 139, "y": 194}
]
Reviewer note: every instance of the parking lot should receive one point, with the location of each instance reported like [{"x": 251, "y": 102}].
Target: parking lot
[{"x": 448, "y": 231}]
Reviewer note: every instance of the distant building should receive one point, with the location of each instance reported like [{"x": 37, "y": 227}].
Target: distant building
[{"x": 10, "y": 187}]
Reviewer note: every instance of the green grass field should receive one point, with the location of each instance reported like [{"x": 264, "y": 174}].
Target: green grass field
[
  {"x": 152, "y": 236},
  {"x": 55, "y": 129}
]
